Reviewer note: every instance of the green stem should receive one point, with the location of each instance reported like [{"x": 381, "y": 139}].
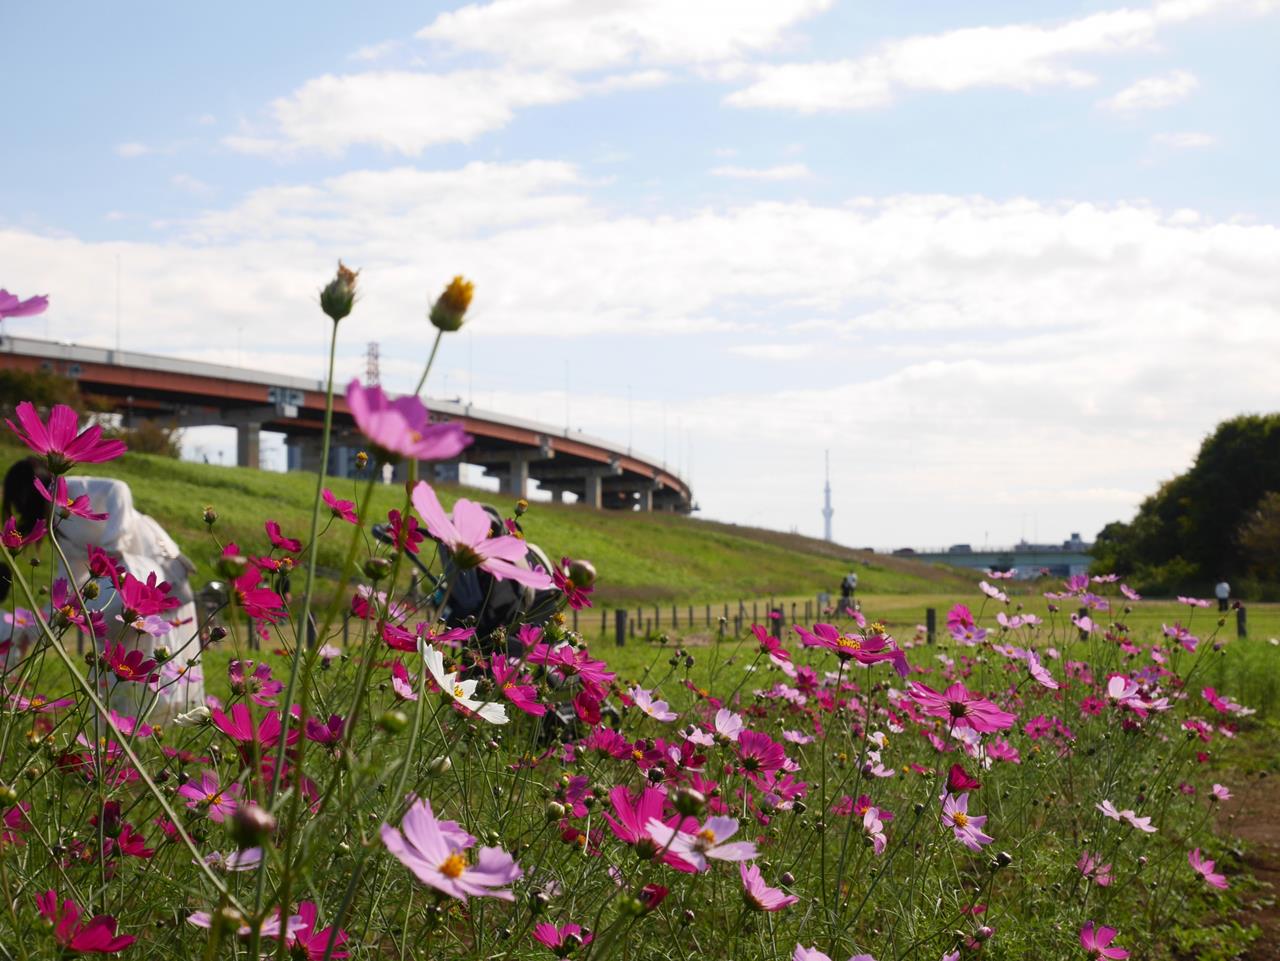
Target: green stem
[{"x": 422, "y": 381}]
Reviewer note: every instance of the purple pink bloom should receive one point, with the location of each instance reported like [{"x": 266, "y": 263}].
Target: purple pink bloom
[
  {"x": 563, "y": 940},
  {"x": 1097, "y": 941},
  {"x": 437, "y": 852},
  {"x": 467, "y": 536},
  {"x": 967, "y": 827},
  {"x": 343, "y": 510},
  {"x": 1204, "y": 867},
  {"x": 95, "y": 936},
  {"x": 758, "y": 895},
  {"x": 962, "y": 707},
  {"x": 402, "y": 427}
]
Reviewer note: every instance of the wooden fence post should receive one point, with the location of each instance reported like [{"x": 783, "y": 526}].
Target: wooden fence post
[
  {"x": 930, "y": 624},
  {"x": 619, "y": 627}
]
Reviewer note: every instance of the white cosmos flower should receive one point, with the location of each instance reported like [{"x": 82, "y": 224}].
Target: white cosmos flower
[{"x": 462, "y": 692}]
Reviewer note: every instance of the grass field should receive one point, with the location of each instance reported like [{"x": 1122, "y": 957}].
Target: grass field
[{"x": 642, "y": 558}]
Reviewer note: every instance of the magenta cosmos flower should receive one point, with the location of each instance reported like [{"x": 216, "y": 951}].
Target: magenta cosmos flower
[
  {"x": 11, "y": 306},
  {"x": 562, "y": 940},
  {"x": 344, "y": 510},
  {"x": 466, "y": 535},
  {"x": 436, "y": 852},
  {"x": 402, "y": 427},
  {"x": 869, "y": 649},
  {"x": 96, "y": 936},
  {"x": 61, "y": 446},
  {"x": 758, "y": 895},
  {"x": 1097, "y": 941},
  {"x": 962, "y": 707},
  {"x": 65, "y": 504}
]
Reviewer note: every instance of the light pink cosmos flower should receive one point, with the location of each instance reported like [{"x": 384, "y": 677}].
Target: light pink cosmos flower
[
  {"x": 1220, "y": 793},
  {"x": 11, "y": 306},
  {"x": 61, "y": 446},
  {"x": 993, "y": 592},
  {"x": 709, "y": 841},
  {"x": 270, "y": 927},
  {"x": 808, "y": 954},
  {"x": 873, "y": 828},
  {"x": 728, "y": 724},
  {"x": 658, "y": 710},
  {"x": 1192, "y": 601},
  {"x": 1128, "y": 816},
  {"x": 466, "y": 535},
  {"x": 1096, "y": 941},
  {"x": 1040, "y": 672},
  {"x": 1204, "y": 868},
  {"x": 1093, "y": 869},
  {"x": 436, "y": 852},
  {"x": 401, "y": 685},
  {"x": 967, "y": 827},
  {"x": 245, "y": 860},
  {"x": 1130, "y": 593},
  {"x": 758, "y": 895},
  {"x": 402, "y": 427},
  {"x": 207, "y": 794}
]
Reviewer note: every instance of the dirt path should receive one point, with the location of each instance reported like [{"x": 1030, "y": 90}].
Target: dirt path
[{"x": 1253, "y": 815}]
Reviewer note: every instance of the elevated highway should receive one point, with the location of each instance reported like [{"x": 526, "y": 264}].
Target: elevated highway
[{"x": 194, "y": 394}]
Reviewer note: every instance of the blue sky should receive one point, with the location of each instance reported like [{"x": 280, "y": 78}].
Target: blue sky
[{"x": 1008, "y": 262}]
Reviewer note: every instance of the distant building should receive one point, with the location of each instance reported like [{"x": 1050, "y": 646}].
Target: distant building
[{"x": 1030, "y": 560}]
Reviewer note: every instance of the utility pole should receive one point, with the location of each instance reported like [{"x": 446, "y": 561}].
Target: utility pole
[{"x": 827, "y": 510}]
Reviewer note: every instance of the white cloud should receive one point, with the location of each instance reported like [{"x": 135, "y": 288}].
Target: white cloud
[
  {"x": 190, "y": 184},
  {"x": 579, "y": 35},
  {"x": 1153, "y": 92},
  {"x": 1079, "y": 347},
  {"x": 402, "y": 111},
  {"x": 773, "y": 351},
  {"x": 375, "y": 51},
  {"x": 132, "y": 149},
  {"x": 780, "y": 172},
  {"x": 1017, "y": 56},
  {"x": 1185, "y": 140}
]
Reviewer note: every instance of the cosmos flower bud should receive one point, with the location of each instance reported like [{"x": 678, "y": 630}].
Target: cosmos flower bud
[
  {"x": 251, "y": 825},
  {"x": 555, "y": 810},
  {"x": 210, "y": 516},
  {"x": 450, "y": 308},
  {"x": 582, "y": 573},
  {"x": 90, "y": 590},
  {"x": 376, "y": 568},
  {"x": 522, "y": 506},
  {"x": 393, "y": 722},
  {"x": 8, "y": 796},
  {"x": 194, "y": 717},
  {"x": 217, "y": 633},
  {"x": 339, "y": 295},
  {"x": 440, "y": 765}
]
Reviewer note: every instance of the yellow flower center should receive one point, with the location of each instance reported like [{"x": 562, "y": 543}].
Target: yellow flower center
[
  {"x": 453, "y": 865},
  {"x": 637, "y": 755},
  {"x": 707, "y": 835},
  {"x": 960, "y": 818},
  {"x": 458, "y": 692},
  {"x": 38, "y": 701},
  {"x": 851, "y": 643}
]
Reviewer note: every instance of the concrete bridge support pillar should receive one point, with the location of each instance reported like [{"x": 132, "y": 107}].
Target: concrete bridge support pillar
[
  {"x": 248, "y": 445},
  {"x": 646, "y": 499},
  {"x": 594, "y": 488},
  {"x": 515, "y": 483},
  {"x": 557, "y": 495}
]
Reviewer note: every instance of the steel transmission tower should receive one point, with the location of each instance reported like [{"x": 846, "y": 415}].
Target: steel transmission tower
[
  {"x": 827, "y": 510},
  {"x": 372, "y": 370}
]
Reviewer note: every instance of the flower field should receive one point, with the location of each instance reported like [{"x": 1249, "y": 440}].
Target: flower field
[{"x": 1045, "y": 782}]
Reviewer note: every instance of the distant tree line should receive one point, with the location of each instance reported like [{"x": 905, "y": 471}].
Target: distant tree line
[
  {"x": 45, "y": 388},
  {"x": 1219, "y": 519}
]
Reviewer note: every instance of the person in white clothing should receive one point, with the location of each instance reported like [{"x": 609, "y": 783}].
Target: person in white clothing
[
  {"x": 139, "y": 546},
  {"x": 1222, "y": 591}
]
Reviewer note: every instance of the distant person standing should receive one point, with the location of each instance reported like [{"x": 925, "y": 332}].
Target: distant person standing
[
  {"x": 1222, "y": 591},
  {"x": 848, "y": 588}
]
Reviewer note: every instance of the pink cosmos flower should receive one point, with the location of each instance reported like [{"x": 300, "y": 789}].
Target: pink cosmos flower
[
  {"x": 66, "y": 505},
  {"x": 1220, "y": 793},
  {"x": 864, "y": 649},
  {"x": 436, "y": 852},
  {"x": 311, "y": 944},
  {"x": 207, "y": 794},
  {"x": 129, "y": 665},
  {"x": 515, "y": 686},
  {"x": 576, "y": 595},
  {"x": 808, "y": 954},
  {"x": 967, "y": 827},
  {"x": 241, "y": 727},
  {"x": 95, "y": 936},
  {"x": 14, "y": 540},
  {"x": 1204, "y": 868},
  {"x": 873, "y": 828},
  {"x": 658, "y": 710},
  {"x": 728, "y": 724},
  {"x": 709, "y": 841},
  {"x": 255, "y": 681},
  {"x": 290, "y": 545},
  {"x": 1040, "y": 672},
  {"x": 401, "y": 685},
  {"x": 1096, "y": 942},
  {"x": 466, "y": 535},
  {"x": 260, "y": 603},
  {"x": 61, "y": 446},
  {"x": 405, "y": 531},
  {"x": 1130, "y": 593},
  {"x": 270, "y": 927},
  {"x": 402, "y": 427},
  {"x": 1128, "y": 816},
  {"x": 760, "y": 754},
  {"x": 343, "y": 510},
  {"x": 562, "y": 940},
  {"x": 962, "y": 707},
  {"x": 1093, "y": 869},
  {"x": 1192, "y": 601},
  {"x": 11, "y": 306},
  {"x": 993, "y": 592},
  {"x": 758, "y": 895},
  {"x": 772, "y": 647},
  {"x": 633, "y": 814}
]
